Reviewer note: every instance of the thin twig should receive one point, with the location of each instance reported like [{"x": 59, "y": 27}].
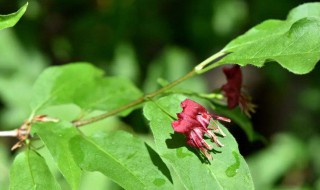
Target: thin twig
[{"x": 12, "y": 133}]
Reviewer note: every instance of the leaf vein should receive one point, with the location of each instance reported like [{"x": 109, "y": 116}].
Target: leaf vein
[
  {"x": 116, "y": 160},
  {"x": 29, "y": 166}
]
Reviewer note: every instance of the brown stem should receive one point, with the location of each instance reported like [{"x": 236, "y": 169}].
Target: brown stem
[{"x": 134, "y": 103}]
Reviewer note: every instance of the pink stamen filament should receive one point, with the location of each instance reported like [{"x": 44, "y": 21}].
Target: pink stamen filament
[
  {"x": 221, "y": 118},
  {"x": 217, "y": 128},
  {"x": 215, "y": 139}
]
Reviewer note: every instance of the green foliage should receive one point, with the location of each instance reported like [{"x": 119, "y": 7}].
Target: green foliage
[
  {"x": 172, "y": 63},
  {"x": 19, "y": 68},
  {"x": 79, "y": 91},
  {"x": 83, "y": 85},
  {"x": 30, "y": 171},
  {"x": 270, "y": 164},
  {"x": 55, "y": 137},
  {"x": 304, "y": 10},
  {"x": 122, "y": 157},
  {"x": 125, "y": 63},
  {"x": 227, "y": 170},
  {"x": 97, "y": 181},
  {"x": 293, "y": 43},
  {"x": 4, "y": 163},
  {"x": 10, "y": 20}
]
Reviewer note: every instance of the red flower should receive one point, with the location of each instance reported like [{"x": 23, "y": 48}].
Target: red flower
[
  {"x": 193, "y": 122},
  {"x": 233, "y": 90}
]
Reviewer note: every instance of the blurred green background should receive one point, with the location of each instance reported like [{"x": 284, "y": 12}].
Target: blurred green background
[{"x": 145, "y": 40}]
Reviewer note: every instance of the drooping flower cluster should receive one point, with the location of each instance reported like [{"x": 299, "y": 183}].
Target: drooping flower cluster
[
  {"x": 194, "y": 122},
  {"x": 233, "y": 90}
]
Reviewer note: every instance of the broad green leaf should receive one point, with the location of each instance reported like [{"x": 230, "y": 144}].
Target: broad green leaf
[
  {"x": 123, "y": 158},
  {"x": 56, "y": 138},
  {"x": 97, "y": 181},
  {"x": 105, "y": 126},
  {"x": 65, "y": 112},
  {"x": 305, "y": 10},
  {"x": 84, "y": 85},
  {"x": 10, "y": 20},
  {"x": 293, "y": 43},
  {"x": 227, "y": 170},
  {"x": 30, "y": 171}
]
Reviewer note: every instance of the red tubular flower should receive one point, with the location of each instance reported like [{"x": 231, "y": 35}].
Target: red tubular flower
[
  {"x": 193, "y": 122},
  {"x": 233, "y": 90}
]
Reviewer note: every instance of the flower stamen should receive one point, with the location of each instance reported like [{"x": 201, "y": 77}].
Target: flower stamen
[{"x": 194, "y": 122}]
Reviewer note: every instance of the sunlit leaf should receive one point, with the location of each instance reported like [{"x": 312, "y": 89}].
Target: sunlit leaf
[
  {"x": 227, "y": 170},
  {"x": 84, "y": 85},
  {"x": 293, "y": 43},
  {"x": 98, "y": 181},
  {"x": 305, "y": 10},
  {"x": 56, "y": 137},
  {"x": 10, "y": 20},
  {"x": 30, "y": 171},
  {"x": 123, "y": 158}
]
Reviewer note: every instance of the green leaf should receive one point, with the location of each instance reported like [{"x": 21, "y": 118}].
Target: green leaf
[
  {"x": 84, "y": 85},
  {"x": 123, "y": 158},
  {"x": 227, "y": 170},
  {"x": 10, "y": 20},
  {"x": 304, "y": 10},
  {"x": 293, "y": 43},
  {"x": 56, "y": 138},
  {"x": 97, "y": 181},
  {"x": 30, "y": 171}
]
